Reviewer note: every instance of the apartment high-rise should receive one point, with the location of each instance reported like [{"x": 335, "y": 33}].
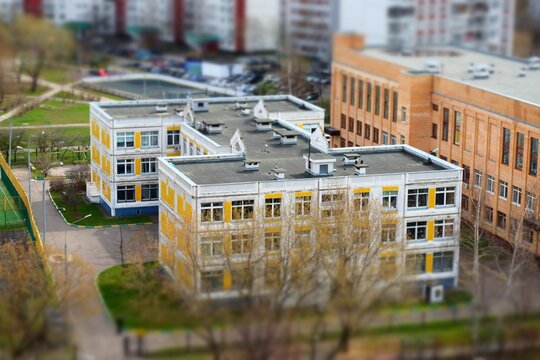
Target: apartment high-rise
[{"x": 477, "y": 110}]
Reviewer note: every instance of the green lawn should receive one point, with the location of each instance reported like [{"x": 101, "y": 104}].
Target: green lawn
[
  {"x": 98, "y": 217},
  {"x": 53, "y": 112},
  {"x": 140, "y": 308},
  {"x": 58, "y": 75}
]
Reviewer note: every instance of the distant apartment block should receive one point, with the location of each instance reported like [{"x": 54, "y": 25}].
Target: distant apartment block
[
  {"x": 475, "y": 110},
  {"x": 480, "y": 24},
  {"x": 281, "y": 188},
  {"x": 128, "y": 137}
]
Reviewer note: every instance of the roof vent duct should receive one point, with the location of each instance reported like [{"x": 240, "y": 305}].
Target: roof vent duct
[
  {"x": 200, "y": 106},
  {"x": 350, "y": 158},
  {"x": 213, "y": 126},
  {"x": 285, "y": 136},
  {"x": 433, "y": 66},
  {"x": 360, "y": 168},
  {"x": 481, "y": 71},
  {"x": 251, "y": 165},
  {"x": 263, "y": 124},
  {"x": 319, "y": 164},
  {"x": 160, "y": 109},
  {"x": 534, "y": 63},
  {"x": 278, "y": 173}
]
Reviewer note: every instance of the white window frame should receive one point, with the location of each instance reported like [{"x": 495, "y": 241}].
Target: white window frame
[
  {"x": 416, "y": 226},
  {"x": 443, "y": 257},
  {"x": 242, "y": 209},
  {"x": 530, "y": 204},
  {"x": 149, "y": 139},
  {"x": 272, "y": 208},
  {"x": 503, "y": 189},
  {"x": 516, "y": 195},
  {"x": 478, "y": 178},
  {"x": 446, "y": 227},
  {"x": 388, "y": 233},
  {"x": 212, "y": 208},
  {"x": 389, "y": 197},
  {"x": 302, "y": 205},
  {"x": 417, "y": 195},
  {"x": 445, "y": 191},
  {"x": 125, "y": 188},
  {"x": 272, "y": 241},
  {"x": 490, "y": 184},
  {"x": 149, "y": 187},
  {"x": 173, "y": 137},
  {"x": 127, "y": 164},
  {"x": 361, "y": 201},
  {"x": 125, "y": 138},
  {"x": 214, "y": 244},
  {"x": 241, "y": 243},
  {"x": 149, "y": 163}
]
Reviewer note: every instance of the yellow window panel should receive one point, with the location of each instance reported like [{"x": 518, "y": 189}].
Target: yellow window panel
[
  {"x": 390, "y": 188},
  {"x": 273, "y": 196},
  {"x": 303, "y": 193}
]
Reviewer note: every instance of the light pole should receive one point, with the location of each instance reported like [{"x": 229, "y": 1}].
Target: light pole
[
  {"x": 10, "y": 136},
  {"x": 65, "y": 241},
  {"x": 45, "y": 171}
]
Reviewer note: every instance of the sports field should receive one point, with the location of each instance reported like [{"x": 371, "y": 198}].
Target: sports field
[{"x": 12, "y": 210}]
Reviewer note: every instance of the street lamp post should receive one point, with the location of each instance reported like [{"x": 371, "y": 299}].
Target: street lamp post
[
  {"x": 10, "y": 137},
  {"x": 65, "y": 242}
]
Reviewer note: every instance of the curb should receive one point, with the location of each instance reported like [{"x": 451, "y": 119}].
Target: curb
[{"x": 91, "y": 226}]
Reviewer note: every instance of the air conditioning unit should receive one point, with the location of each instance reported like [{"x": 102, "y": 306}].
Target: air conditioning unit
[{"x": 435, "y": 294}]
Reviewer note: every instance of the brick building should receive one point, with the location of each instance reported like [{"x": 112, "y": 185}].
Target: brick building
[{"x": 477, "y": 110}]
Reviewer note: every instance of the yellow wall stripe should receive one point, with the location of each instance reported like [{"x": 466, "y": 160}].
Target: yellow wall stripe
[
  {"x": 431, "y": 198},
  {"x": 429, "y": 263},
  {"x": 273, "y": 196},
  {"x": 390, "y": 188}
]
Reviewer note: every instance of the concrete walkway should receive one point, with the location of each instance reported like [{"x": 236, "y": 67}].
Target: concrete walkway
[{"x": 93, "y": 332}]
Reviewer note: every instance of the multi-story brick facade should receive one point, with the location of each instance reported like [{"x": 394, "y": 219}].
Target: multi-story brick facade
[{"x": 473, "y": 109}]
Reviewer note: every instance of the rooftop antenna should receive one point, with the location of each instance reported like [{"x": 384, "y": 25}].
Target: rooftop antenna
[{"x": 309, "y": 153}]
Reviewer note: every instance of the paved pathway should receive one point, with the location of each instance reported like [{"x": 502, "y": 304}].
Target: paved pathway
[{"x": 93, "y": 332}]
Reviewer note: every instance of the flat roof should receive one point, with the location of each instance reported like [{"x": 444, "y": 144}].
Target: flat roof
[
  {"x": 220, "y": 109},
  {"x": 455, "y": 62},
  {"x": 272, "y": 154}
]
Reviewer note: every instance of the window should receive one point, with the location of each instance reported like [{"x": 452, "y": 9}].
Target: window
[
  {"x": 361, "y": 235},
  {"x": 503, "y": 189},
  {"x": 125, "y": 140},
  {"x": 443, "y": 261},
  {"x": 353, "y": 91},
  {"x": 393, "y": 140},
  {"x": 501, "y": 220},
  {"x": 331, "y": 204},
  {"x": 212, "y": 280},
  {"x": 359, "y": 128},
  {"x": 367, "y": 131},
  {"x": 506, "y": 147},
  {"x": 435, "y": 107},
  {"x": 477, "y": 178},
  {"x": 386, "y": 108},
  {"x": 242, "y": 209},
  {"x": 361, "y": 201},
  {"x": 415, "y": 263},
  {"x": 403, "y": 114},
  {"x": 125, "y": 166},
  {"x": 444, "y": 229},
  {"x": 464, "y": 203},
  {"x": 303, "y": 205},
  {"x": 272, "y": 241},
  {"x": 388, "y": 233},
  {"x": 445, "y": 196},
  {"x": 149, "y": 165},
  {"x": 385, "y": 138},
  {"x": 173, "y": 137},
  {"x": 377, "y": 100},
  {"x": 416, "y": 230},
  {"x": 533, "y": 157},
  {"x": 150, "y": 192},
  {"x": 389, "y": 200},
  {"x": 149, "y": 138},
  {"x": 368, "y": 100},
  {"x": 490, "y": 184},
  {"x": 445, "y": 124},
  {"x": 434, "y": 130},
  {"x": 343, "y": 121},
  {"x": 520, "y": 146},
  {"x": 241, "y": 243},
  {"x": 125, "y": 193},
  {"x": 488, "y": 214},
  {"x": 528, "y": 235},
  {"x": 388, "y": 266},
  {"x": 211, "y": 246},
  {"x": 344, "y": 88},
  {"x": 212, "y": 211},
  {"x": 375, "y": 135},
  {"x": 531, "y": 201},
  {"x": 402, "y": 139},
  {"x": 395, "y": 107},
  {"x": 466, "y": 173},
  {"x": 351, "y": 124},
  {"x": 417, "y": 198},
  {"x": 360, "y": 94},
  {"x": 457, "y": 127},
  {"x": 516, "y": 195},
  {"x": 272, "y": 208},
  {"x": 302, "y": 238}
]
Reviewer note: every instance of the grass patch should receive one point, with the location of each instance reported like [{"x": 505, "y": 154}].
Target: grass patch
[
  {"x": 53, "y": 112},
  {"x": 98, "y": 217},
  {"x": 138, "y": 306},
  {"x": 58, "y": 75}
]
